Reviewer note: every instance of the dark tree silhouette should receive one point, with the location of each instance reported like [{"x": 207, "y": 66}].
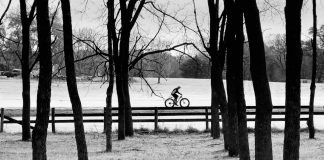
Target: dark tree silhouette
[
  {"x": 231, "y": 79},
  {"x": 215, "y": 50},
  {"x": 263, "y": 143},
  {"x": 44, "y": 85},
  {"x": 310, "y": 121},
  {"x": 293, "y": 67},
  {"x": 25, "y": 66},
  {"x": 237, "y": 59},
  {"x": 110, "y": 27},
  {"x": 71, "y": 81}
]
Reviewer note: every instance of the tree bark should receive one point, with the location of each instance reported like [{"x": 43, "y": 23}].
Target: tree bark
[
  {"x": 244, "y": 151},
  {"x": 121, "y": 105},
  {"x": 44, "y": 85},
  {"x": 110, "y": 27},
  {"x": 25, "y": 71},
  {"x": 310, "y": 121},
  {"x": 293, "y": 67},
  {"x": 71, "y": 82},
  {"x": 222, "y": 93},
  {"x": 231, "y": 80},
  {"x": 215, "y": 68},
  {"x": 263, "y": 142}
]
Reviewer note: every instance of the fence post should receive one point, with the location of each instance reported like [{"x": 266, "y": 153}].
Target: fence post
[
  {"x": 206, "y": 115},
  {"x": 156, "y": 118},
  {"x": 53, "y": 120},
  {"x": 105, "y": 119},
  {"x": 2, "y": 120}
]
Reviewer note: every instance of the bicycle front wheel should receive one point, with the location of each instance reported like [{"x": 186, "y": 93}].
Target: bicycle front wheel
[
  {"x": 169, "y": 102},
  {"x": 184, "y": 102}
]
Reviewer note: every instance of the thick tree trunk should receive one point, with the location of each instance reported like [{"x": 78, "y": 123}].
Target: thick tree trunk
[
  {"x": 215, "y": 69},
  {"x": 128, "y": 109},
  {"x": 241, "y": 107},
  {"x": 44, "y": 85},
  {"x": 124, "y": 57},
  {"x": 231, "y": 80},
  {"x": 110, "y": 27},
  {"x": 71, "y": 82},
  {"x": 215, "y": 130},
  {"x": 25, "y": 72},
  {"x": 263, "y": 143},
  {"x": 293, "y": 67},
  {"x": 121, "y": 103},
  {"x": 310, "y": 121}
]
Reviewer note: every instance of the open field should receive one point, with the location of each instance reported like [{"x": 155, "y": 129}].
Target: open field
[
  {"x": 93, "y": 99},
  {"x": 150, "y": 146},
  {"x": 93, "y": 94}
]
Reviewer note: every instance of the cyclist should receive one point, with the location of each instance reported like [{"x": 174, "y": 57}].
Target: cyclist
[{"x": 175, "y": 93}]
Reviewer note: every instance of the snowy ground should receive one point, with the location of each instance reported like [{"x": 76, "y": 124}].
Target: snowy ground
[
  {"x": 152, "y": 147},
  {"x": 92, "y": 95}
]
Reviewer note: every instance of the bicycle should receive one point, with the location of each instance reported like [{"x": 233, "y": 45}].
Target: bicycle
[{"x": 170, "y": 102}]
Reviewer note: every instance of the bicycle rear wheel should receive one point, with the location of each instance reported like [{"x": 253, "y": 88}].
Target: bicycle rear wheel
[
  {"x": 184, "y": 102},
  {"x": 169, "y": 102}
]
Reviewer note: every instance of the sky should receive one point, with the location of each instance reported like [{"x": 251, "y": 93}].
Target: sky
[{"x": 91, "y": 14}]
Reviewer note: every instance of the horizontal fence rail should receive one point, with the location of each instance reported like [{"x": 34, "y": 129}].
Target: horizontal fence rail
[{"x": 156, "y": 115}]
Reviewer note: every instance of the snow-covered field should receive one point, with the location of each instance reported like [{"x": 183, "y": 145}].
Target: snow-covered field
[{"x": 92, "y": 95}]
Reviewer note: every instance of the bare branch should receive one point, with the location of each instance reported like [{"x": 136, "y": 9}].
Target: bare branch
[
  {"x": 5, "y": 11},
  {"x": 133, "y": 63}
]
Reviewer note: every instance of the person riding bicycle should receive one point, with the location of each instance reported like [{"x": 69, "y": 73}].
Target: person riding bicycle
[{"x": 175, "y": 93}]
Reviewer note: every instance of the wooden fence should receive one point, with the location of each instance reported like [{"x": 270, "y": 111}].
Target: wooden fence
[{"x": 158, "y": 114}]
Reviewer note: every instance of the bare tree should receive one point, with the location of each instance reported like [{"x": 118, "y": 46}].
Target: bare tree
[
  {"x": 125, "y": 58},
  {"x": 293, "y": 67},
  {"x": 5, "y": 11},
  {"x": 233, "y": 145},
  {"x": 25, "y": 65},
  {"x": 215, "y": 52},
  {"x": 263, "y": 143},
  {"x": 110, "y": 27},
  {"x": 278, "y": 48},
  {"x": 44, "y": 85},
  {"x": 310, "y": 121},
  {"x": 71, "y": 82}
]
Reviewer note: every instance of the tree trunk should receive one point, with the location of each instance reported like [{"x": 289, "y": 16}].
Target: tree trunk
[
  {"x": 215, "y": 130},
  {"x": 244, "y": 151},
  {"x": 231, "y": 80},
  {"x": 25, "y": 72},
  {"x": 222, "y": 93},
  {"x": 124, "y": 58},
  {"x": 310, "y": 121},
  {"x": 44, "y": 85},
  {"x": 110, "y": 5},
  {"x": 71, "y": 82},
  {"x": 121, "y": 103},
  {"x": 293, "y": 67},
  {"x": 263, "y": 143},
  {"x": 128, "y": 109},
  {"x": 215, "y": 69}
]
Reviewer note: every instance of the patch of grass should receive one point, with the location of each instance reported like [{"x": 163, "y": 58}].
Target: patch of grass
[
  {"x": 250, "y": 130},
  {"x": 142, "y": 130},
  {"x": 191, "y": 129},
  {"x": 177, "y": 131},
  {"x": 276, "y": 130},
  {"x": 160, "y": 130},
  {"x": 208, "y": 130}
]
